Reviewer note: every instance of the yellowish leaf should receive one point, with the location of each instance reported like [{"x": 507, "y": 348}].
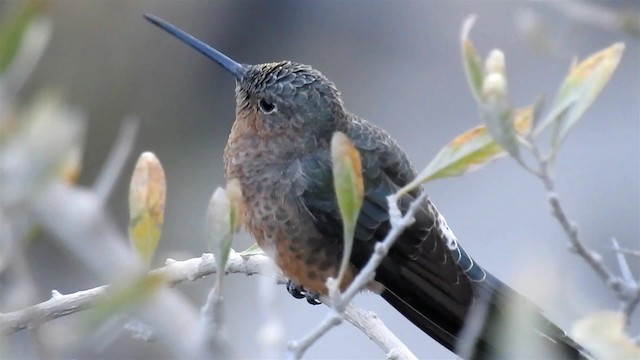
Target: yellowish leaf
[
  {"x": 147, "y": 194},
  {"x": 580, "y": 88},
  {"x": 471, "y": 60},
  {"x": 349, "y": 189},
  {"x": 468, "y": 151}
]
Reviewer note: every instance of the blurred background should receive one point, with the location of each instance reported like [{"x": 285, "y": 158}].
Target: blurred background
[{"x": 398, "y": 65}]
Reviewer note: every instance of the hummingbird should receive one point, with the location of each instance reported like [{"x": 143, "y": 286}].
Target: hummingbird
[{"x": 279, "y": 152}]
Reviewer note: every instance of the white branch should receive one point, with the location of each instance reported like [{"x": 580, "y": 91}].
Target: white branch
[
  {"x": 176, "y": 272},
  {"x": 371, "y": 325}
]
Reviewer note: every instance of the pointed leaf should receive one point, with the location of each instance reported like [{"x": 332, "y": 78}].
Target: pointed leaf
[
  {"x": 349, "y": 188},
  {"x": 468, "y": 151},
  {"x": 578, "y": 91},
  {"x": 147, "y": 193},
  {"x": 470, "y": 59},
  {"x": 222, "y": 219},
  {"x": 494, "y": 106},
  {"x": 500, "y": 123}
]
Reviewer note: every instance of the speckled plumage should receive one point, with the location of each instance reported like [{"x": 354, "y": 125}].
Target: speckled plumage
[{"x": 278, "y": 150}]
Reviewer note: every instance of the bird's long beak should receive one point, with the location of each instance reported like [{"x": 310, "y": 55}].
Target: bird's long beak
[{"x": 238, "y": 70}]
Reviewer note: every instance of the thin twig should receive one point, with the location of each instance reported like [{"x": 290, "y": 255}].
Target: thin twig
[
  {"x": 570, "y": 228},
  {"x": 118, "y": 156},
  {"x": 212, "y": 321},
  {"x": 398, "y": 224},
  {"x": 628, "y": 251},
  {"x": 627, "y": 291}
]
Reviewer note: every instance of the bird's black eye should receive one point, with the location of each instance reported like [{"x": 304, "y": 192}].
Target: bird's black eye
[{"x": 266, "y": 107}]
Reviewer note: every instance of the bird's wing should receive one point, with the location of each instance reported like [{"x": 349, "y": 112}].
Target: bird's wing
[{"x": 426, "y": 268}]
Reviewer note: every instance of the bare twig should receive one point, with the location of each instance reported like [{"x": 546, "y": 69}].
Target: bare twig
[
  {"x": 629, "y": 252},
  {"x": 339, "y": 302},
  {"x": 59, "y": 305},
  {"x": 118, "y": 156},
  {"x": 624, "y": 267},
  {"x": 626, "y": 288},
  {"x": 212, "y": 323}
]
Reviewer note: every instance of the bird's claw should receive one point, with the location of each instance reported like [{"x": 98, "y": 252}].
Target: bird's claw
[
  {"x": 299, "y": 292},
  {"x": 295, "y": 290}
]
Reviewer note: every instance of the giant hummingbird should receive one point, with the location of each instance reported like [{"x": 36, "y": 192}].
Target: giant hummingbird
[{"x": 279, "y": 152}]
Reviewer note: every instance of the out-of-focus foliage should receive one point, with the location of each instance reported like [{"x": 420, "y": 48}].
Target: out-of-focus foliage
[
  {"x": 223, "y": 218},
  {"x": 603, "y": 333},
  {"x": 147, "y": 196},
  {"x": 12, "y": 32},
  {"x": 124, "y": 297}
]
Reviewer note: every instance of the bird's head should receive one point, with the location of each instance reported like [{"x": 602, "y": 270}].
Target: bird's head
[{"x": 277, "y": 98}]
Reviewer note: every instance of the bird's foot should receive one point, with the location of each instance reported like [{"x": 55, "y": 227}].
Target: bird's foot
[{"x": 299, "y": 292}]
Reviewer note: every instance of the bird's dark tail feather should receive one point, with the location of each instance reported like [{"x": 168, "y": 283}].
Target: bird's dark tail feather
[{"x": 522, "y": 332}]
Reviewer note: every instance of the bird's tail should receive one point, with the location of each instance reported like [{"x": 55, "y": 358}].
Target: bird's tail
[{"x": 500, "y": 324}]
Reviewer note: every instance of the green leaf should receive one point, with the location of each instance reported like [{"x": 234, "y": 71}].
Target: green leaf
[
  {"x": 13, "y": 30},
  {"x": 494, "y": 105},
  {"x": 499, "y": 120},
  {"x": 252, "y": 250},
  {"x": 578, "y": 91},
  {"x": 349, "y": 188},
  {"x": 221, "y": 220},
  {"x": 147, "y": 194},
  {"x": 468, "y": 151},
  {"x": 470, "y": 59}
]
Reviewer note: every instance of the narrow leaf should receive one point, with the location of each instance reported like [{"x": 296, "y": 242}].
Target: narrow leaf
[
  {"x": 222, "y": 217},
  {"x": 349, "y": 188},
  {"x": 147, "y": 194},
  {"x": 494, "y": 106},
  {"x": 580, "y": 88},
  {"x": 254, "y": 249},
  {"x": 499, "y": 121},
  {"x": 470, "y": 59},
  {"x": 467, "y": 152}
]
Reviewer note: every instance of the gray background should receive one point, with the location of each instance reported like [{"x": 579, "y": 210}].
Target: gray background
[{"x": 397, "y": 65}]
